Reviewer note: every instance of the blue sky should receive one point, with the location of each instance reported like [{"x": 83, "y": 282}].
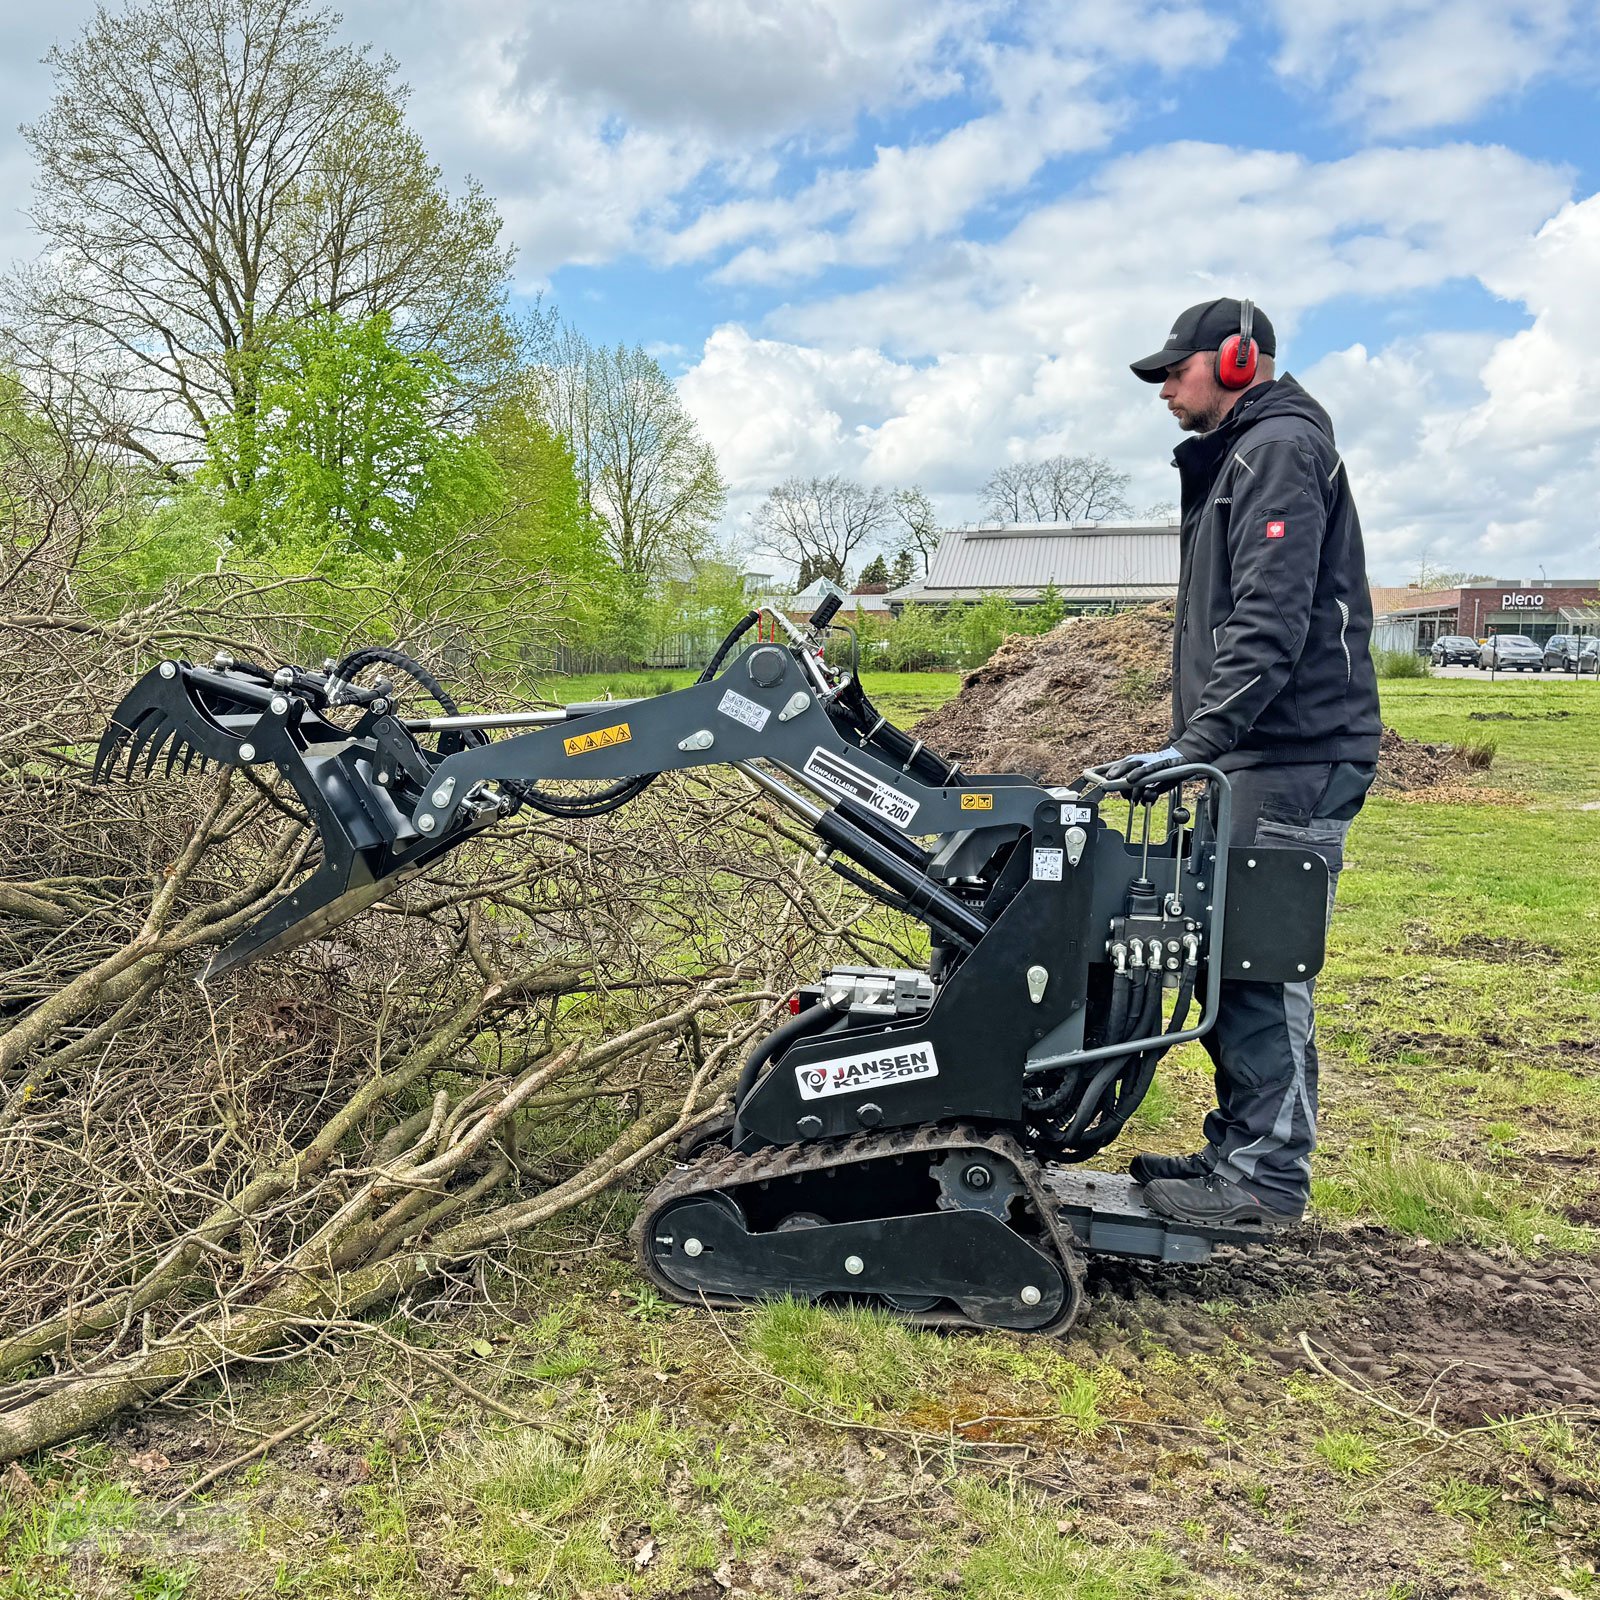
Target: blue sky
[{"x": 910, "y": 243}]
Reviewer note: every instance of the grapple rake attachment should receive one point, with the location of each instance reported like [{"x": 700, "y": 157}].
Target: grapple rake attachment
[{"x": 357, "y": 785}]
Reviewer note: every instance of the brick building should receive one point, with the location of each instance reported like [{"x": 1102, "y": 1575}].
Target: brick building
[{"x": 1411, "y": 619}]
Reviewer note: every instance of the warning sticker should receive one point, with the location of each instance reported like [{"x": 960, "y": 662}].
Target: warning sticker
[
  {"x": 977, "y": 802},
  {"x": 1072, "y": 814},
  {"x": 735, "y": 705},
  {"x": 835, "y": 773},
  {"x": 580, "y": 744},
  {"x": 849, "y": 1073},
  {"x": 1047, "y": 865}
]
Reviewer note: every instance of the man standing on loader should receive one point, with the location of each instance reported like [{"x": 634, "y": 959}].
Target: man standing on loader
[{"x": 1273, "y": 682}]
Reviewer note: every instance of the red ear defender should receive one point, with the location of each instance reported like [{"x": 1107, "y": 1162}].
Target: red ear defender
[{"x": 1236, "y": 360}]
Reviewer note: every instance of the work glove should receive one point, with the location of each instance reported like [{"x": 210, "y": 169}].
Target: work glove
[{"x": 1137, "y": 771}]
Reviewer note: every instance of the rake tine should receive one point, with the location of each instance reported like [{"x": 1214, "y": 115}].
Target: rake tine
[
  {"x": 159, "y": 743},
  {"x": 179, "y": 747},
  {"x": 146, "y": 727},
  {"x": 106, "y": 757}
]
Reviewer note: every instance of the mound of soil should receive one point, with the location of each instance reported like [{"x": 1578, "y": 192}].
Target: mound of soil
[{"x": 1099, "y": 687}]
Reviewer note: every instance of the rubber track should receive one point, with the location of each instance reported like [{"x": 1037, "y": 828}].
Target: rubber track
[{"x": 722, "y": 1169}]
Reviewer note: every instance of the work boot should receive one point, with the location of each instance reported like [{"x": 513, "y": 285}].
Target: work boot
[
  {"x": 1214, "y": 1201},
  {"x": 1147, "y": 1168}
]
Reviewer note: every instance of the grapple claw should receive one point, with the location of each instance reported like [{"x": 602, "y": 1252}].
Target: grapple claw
[{"x": 368, "y": 845}]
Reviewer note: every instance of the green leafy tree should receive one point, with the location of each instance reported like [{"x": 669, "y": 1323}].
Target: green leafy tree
[
  {"x": 876, "y": 571},
  {"x": 977, "y": 630},
  {"x": 903, "y": 570},
  {"x": 917, "y": 639},
  {"x": 344, "y": 453},
  {"x": 1047, "y": 612}
]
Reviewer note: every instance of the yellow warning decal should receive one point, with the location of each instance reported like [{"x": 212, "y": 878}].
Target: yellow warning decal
[
  {"x": 580, "y": 744},
  {"x": 977, "y": 802}
]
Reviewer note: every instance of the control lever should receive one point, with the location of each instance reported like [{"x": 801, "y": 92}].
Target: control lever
[{"x": 825, "y": 613}]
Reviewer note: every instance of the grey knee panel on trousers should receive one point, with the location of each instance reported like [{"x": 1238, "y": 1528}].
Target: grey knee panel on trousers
[{"x": 1264, "y": 1045}]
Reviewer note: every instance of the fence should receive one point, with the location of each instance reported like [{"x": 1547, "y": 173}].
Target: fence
[{"x": 675, "y": 650}]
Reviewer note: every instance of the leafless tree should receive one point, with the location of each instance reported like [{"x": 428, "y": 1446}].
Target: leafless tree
[
  {"x": 820, "y": 523},
  {"x": 1057, "y": 489},
  {"x": 919, "y": 531},
  {"x": 1430, "y": 575},
  {"x": 647, "y": 474},
  {"x": 210, "y": 167}
]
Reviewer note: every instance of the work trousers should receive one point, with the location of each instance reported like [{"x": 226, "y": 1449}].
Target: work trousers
[{"x": 1264, "y": 1045}]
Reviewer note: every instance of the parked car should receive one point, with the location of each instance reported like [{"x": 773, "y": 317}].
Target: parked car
[
  {"x": 1571, "y": 652},
  {"x": 1511, "y": 652},
  {"x": 1455, "y": 650}
]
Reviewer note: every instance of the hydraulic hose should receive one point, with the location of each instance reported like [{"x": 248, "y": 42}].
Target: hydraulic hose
[
  {"x": 339, "y": 678},
  {"x": 814, "y": 1019},
  {"x": 740, "y": 629},
  {"x": 616, "y": 795},
  {"x": 1137, "y": 1083}
]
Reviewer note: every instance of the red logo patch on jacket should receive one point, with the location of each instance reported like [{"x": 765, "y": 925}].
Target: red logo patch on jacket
[{"x": 1276, "y": 530}]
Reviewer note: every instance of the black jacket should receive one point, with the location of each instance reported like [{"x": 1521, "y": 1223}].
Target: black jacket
[{"x": 1270, "y": 657}]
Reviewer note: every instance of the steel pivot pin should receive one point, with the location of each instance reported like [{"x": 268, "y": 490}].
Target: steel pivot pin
[{"x": 692, "y": 1247}]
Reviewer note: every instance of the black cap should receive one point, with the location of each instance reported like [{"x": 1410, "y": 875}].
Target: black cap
[{"x": 1204, "y": 327}]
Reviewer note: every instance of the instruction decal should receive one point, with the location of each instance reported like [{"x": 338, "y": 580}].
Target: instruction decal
[
  {"x": 843, "y": 777},
  {"x": 580, "y": 744},
  {"x": 977, "y": 802},
  {"x": 875, "y": 1070},
  {"x": 741, "y": 709},
  {"x": 1047, "y": 865}
]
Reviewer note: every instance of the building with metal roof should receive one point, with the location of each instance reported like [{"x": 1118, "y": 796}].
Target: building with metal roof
[{"x": 1092, "y": 566}]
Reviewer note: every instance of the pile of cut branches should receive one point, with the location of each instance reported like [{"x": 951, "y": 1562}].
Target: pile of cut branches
[{"x": 189, "y": 1176}]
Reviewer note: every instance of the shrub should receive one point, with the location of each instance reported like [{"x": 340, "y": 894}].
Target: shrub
[{"x": 1401, "y": 664}]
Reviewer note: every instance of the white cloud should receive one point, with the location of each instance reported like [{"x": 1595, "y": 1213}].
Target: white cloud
[
  {"x": 1397, "y": 67},
  {"x": 984, "y": 353},
  {"x": 1482, "y": 453}
]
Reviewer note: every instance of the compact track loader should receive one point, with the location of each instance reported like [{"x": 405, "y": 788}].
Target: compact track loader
[{"x": 910, "y": 1138}]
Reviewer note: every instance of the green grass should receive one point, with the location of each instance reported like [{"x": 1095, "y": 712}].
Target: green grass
[
  {"x": 1023, "y": 1555},
  {"x": 1351, "y": 1455},
  {"x": 902, "y": 696},
  {"x": 39, "y": 1537},
  {"x": 1421, "y": 1196},
  {"x": 856, "y": 1361},
  {"x": 1547, "y": 730}
]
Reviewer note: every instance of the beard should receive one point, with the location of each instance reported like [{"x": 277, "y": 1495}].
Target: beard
[{"x": 1207, "y": 421}]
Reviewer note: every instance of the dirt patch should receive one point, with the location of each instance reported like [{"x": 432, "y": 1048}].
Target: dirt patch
[
  {"x": 1099, "y": 687},
  {"x": 1503, "y": 950},
  {"x": 1051, "y": 705},
  {"x": 1459, "y": 1335},
  {"x": 1517, "y": 716}
]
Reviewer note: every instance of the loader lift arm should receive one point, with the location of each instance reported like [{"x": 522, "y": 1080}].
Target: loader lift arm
[{"x": 923, "y": 1116}]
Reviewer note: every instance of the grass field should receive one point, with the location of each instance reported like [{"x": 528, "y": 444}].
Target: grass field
[{"x": 559, "y": 1431}]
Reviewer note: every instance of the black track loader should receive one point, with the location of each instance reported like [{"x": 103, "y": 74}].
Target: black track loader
[{"x": 913, "y": 1138}]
